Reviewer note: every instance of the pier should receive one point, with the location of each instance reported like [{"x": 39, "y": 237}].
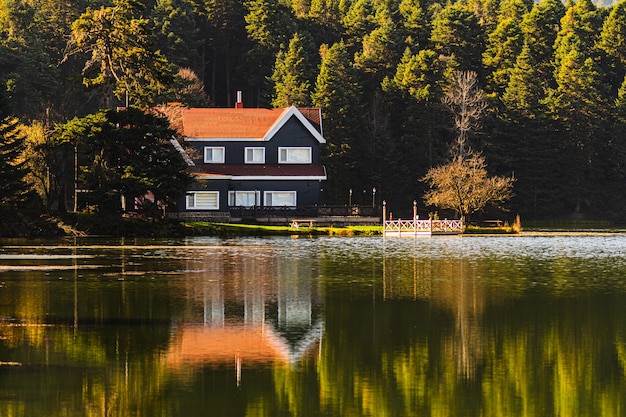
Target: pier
[{"x": 418, "y": 227}]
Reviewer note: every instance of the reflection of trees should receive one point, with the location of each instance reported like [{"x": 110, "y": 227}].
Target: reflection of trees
[
  {"x": 454, "y": 337},
  {"x": 434, "y": 336}
]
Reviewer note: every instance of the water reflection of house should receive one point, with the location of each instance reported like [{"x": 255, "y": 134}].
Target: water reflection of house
[{"x": 245, "y": 309}]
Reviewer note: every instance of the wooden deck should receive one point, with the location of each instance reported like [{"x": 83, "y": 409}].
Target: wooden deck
[{"x": 416, "y": 227}]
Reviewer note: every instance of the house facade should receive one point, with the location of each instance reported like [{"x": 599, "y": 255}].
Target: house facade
[{"x": 250, "y": 159}]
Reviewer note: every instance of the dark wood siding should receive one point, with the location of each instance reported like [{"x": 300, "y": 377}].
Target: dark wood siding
[{"x": 292, "y": 134}]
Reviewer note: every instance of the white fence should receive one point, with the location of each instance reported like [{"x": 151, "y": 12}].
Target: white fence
[{"x": 402, "y": 228}]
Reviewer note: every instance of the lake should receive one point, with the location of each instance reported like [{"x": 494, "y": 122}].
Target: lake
[{"x": 332, "y": 326}]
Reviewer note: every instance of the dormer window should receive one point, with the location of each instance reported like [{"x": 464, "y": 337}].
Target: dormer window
[
  {"x": 255, "y": 155},
  {"x": 214, "y": 154},
  {"x": 299, "y": 155}
]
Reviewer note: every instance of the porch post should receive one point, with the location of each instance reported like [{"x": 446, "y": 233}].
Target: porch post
[{"x": 384, "y": 216}]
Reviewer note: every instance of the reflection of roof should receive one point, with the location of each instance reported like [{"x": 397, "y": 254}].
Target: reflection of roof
[
  {"x": 245, "y": 124},
  {"x": 195, "y": 344},
  {"x": 253, "y": 171}
]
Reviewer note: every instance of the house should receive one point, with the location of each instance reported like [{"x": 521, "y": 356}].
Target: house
[{"x": 250, "y": 158}]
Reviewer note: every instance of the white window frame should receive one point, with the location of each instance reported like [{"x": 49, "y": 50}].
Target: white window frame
[
  {"x": 268, "y": 198},
  {"x": 192, "y": 202},
  {"x": 232, "y": 198},
  {"x": 252, "y": 150},
  {"x": 287, "y": 155},
  {"x": 212, "y": 159}
]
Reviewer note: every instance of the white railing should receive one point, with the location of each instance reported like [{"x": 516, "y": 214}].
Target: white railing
[{"x": 421, "y": 227}]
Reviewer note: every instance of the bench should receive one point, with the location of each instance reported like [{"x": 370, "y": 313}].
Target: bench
[{"x": 302, "y": 222}]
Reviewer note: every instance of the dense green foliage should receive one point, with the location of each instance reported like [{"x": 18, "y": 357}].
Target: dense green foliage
[
  {"x": 553, "y": 76},
  {"x": 126, "y": 155}
]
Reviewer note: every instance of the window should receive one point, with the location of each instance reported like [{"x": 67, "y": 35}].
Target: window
[
  {"x": 244, "y": 198},
  {"x": 294, "y": 155},
  {"x": 203, "y": 200},
  {"x": 255, "y": 155},
  {"x": 280, "y": 198},
  {"x": 213, "y": 155}
]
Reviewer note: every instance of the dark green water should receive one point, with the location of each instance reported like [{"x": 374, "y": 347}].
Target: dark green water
[{"x": 480, "y": 326}]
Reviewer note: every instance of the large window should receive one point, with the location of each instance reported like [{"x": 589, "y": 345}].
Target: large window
[
  {"x": 244, "y": 198},
  {"x": 214, "y": 154},
  {"x": 280, "y": 198},
  {"x": 294, "y": 155},
  {"x": 203, "y": 200},
  {"x": 255, "y": 155}
]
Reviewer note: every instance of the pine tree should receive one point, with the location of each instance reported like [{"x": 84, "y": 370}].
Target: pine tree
[
  {"x": 177, "y": 35},
  {"x": 504, "y": 44},
  {"x": 13, "y": 187},
  {"x": 381, "y": 49},
  {"x": 270, "y": 26},
  {"x": 291, "y": 86},
  {"x": 457, "y": 32},
  {"x": 523, "y": 93},
  {"x": 122, "y": 60},
  {"x": 338, "y": 95},
  {"x": 416, "y": 23},
  {"x": 612, "y": 42},
  {"x": 540, "y": 28}
]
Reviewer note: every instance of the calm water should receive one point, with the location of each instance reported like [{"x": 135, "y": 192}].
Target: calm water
[{"x": 480, "y": 326}]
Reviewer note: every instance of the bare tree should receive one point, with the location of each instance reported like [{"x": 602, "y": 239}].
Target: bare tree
[
  {"x": 464, "y": 186},
  {"x": 467, "y": 103}
]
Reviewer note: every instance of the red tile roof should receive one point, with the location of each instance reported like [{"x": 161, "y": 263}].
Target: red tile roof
[
  {"x": 254, "y": 170},
  {"x": 228, "y": 123},
  {"x": 238, "y": 123}
]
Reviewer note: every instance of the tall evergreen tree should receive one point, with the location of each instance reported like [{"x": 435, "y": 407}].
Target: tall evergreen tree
[
  {"x": 612, "y": 42},
  {"x": 222, "y": 25},
  {"x": 540, "y": 27},
  {"x": 120, "y": 57},
  {"x": 416, "y": 23},
  {"x": 270, "y": 26},
  {"x": 457, "y": 32},
  {"x": 579, "y": 104},
  {"x": 338, "y": 94},
  {"x": 291, "y": 86},
  {"x": 176, "y": 32},
  {"x": 13, "y": 187},
  {"x": 359, "y": 21},
  {"x": 381, "y": 49},
  {"x": 504, "y": 44}
]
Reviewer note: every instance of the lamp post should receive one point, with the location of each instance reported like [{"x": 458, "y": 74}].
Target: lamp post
[
  {"x": 350, "y": 199},
  {"x": 373, "y": 197}
]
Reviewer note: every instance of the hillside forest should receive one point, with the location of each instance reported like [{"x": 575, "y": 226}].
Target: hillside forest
[{"x": 552, "y": 74}]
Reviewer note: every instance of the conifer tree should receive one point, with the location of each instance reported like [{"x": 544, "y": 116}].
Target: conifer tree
[
  {"x": 612, "y": 42},
  {"x": 381, "y": 48},
  {"x": 13, "y": 187},
  {"x": 121, "y": 58},
  {"x": 416, "y": 23},
  {"x": 338, "y": 95},
  {"x": 457, "y": 32},
  {"x": 291, "y": 86},
  {"x": 504, "y": 44},
  {"x": 270, "y": 26},
  {"x": 540, "y": 28}
]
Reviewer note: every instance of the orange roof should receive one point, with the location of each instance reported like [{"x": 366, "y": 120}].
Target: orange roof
[
  {"x": 250, "y": 344},
  {"x": 229, "y": 123},
  {"x": 244, "y": 123}
]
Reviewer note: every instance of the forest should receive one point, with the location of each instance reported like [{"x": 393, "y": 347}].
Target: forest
[{"x": 552, "y": 73}]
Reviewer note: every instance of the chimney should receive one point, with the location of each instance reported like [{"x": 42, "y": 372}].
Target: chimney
[{"x": 239, "y": 103}]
